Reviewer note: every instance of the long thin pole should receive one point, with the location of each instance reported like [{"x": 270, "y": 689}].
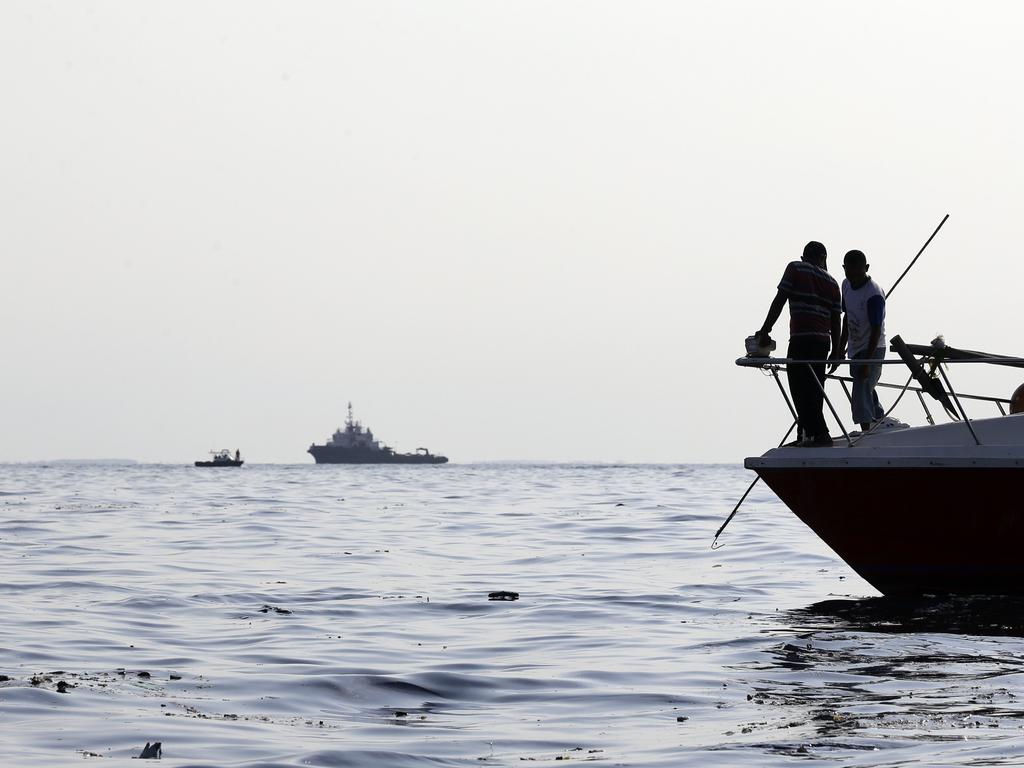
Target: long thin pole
[
  {"x": 889, "y": 293},
  {"x": 714, "y": 544},
  {"x": 782, "y": 389}
]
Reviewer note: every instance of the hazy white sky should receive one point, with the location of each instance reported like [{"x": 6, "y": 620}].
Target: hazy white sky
[{"x": 523, "y": 230}]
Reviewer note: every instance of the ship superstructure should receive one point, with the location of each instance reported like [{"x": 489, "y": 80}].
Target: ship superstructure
[{"x": 354, "y": 436}]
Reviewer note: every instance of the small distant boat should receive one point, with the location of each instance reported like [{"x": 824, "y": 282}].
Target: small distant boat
[{"x": 222, "y": 458}]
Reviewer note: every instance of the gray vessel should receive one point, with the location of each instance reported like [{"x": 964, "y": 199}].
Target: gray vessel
[
  {"x": 356, "y": 445},
  {"x": 222, "y": 458}
]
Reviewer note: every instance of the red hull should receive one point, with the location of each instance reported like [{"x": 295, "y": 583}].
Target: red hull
[{"x": 915, "y": 530}]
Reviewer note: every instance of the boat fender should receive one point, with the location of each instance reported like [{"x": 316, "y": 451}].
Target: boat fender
[{"x": 1017, "y": 400}]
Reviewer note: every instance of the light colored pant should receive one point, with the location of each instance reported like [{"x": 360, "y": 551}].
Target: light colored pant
[{"x": 866, "y": 407}]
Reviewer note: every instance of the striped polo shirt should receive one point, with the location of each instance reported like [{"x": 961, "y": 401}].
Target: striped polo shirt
[{"x": 813, "y": 297}]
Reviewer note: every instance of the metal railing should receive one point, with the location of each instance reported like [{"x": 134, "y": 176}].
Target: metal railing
[{"x": 955, "y": 409}]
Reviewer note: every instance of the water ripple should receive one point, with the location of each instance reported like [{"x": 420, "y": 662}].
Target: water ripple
[{"x": 339, "y": 616}]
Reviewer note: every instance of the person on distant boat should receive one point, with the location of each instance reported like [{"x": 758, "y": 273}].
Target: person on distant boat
[
  {"x": 864, "y": 329},
  {"x": 814, "y": 329},
  {"x": 238, "y": 455}
]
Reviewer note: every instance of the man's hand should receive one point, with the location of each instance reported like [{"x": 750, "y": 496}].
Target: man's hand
[
  {"x": 763, "y": 339},
  {"x": 837, "y": 355}
]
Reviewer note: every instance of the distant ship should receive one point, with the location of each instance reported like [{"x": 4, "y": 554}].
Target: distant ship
[
  {"x": 356, "y": 445},
  {"x": 222, "y": 458}
]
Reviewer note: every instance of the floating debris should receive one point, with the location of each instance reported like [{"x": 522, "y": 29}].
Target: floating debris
[
  {"x": 274, "y": 608},
  {"x": 502, "y": 595},
  {"x": 151, "y": 751}
]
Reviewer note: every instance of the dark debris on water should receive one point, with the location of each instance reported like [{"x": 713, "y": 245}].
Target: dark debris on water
[
  {"x": 274, "y": 608},
  {"x": 502, "y": 595},
  {"x": 151, "y": 751}
]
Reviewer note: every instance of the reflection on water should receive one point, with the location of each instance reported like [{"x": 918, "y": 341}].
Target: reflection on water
[
  {"x": 985, "y": 615},
  {"x": 907, "y": 680}
]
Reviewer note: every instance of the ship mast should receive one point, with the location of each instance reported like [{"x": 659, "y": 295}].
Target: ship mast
[{"x": 349, "y": 423}]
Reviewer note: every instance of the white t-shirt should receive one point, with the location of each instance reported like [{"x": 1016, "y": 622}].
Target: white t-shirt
[{"x": 862, "y": 306}]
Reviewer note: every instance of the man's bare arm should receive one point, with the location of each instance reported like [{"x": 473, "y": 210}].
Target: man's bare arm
[
  {"x": 876, "y": 334},
  {"x": 773, "y": 315},
  {"x": 837, "y": 350}
]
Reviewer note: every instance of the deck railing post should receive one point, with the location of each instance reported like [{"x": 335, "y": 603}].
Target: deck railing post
[
  {"x": 821, "y": 386},
  {"x": 782, "y": 389},
  {"x": 846, "y": 390},
  {"x": 960, "y": 408},
  {"x": 927, "y": 413}
]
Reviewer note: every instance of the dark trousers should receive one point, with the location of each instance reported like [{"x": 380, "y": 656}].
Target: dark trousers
[{"x": 807, "y": 397}]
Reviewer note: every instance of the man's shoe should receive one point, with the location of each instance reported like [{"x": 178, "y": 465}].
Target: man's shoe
[{"x": 818, "y": 441}]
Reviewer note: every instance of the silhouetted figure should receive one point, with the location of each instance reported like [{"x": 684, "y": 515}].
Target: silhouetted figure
[
  {"x": 238, "y": 455},
  {"x": 864, "y": 328},
  {"x": 814, "y": 328}
]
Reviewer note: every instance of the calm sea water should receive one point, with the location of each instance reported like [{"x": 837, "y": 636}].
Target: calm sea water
[{"x": 339, "y": 616}]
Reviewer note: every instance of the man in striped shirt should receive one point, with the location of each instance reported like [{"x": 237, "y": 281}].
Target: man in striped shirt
[{"x": 814, "y": 328}]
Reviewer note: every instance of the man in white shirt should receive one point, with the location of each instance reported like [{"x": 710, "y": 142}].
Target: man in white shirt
[{"x": 863, "y": 336}]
